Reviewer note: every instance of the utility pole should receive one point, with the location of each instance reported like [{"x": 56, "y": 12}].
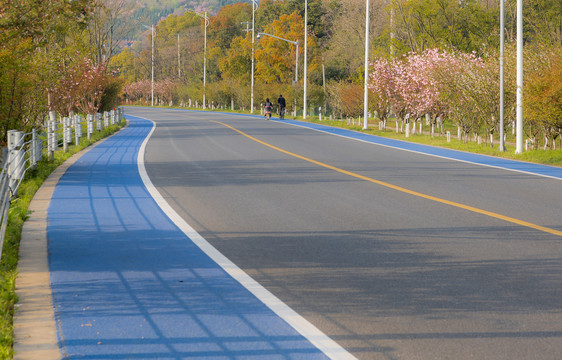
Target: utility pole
[{"x": 366, "y": 97}]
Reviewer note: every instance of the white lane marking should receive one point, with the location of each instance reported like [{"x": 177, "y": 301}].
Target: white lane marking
[
  {"x": 424, "y": 153},
  {"x": 316, "y": 337}
]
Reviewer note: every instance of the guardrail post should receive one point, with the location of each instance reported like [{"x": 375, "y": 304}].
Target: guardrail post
[
  {"x": 105, "y": 119},
  {"x": 50, "y": 135},
  {"x": 16, "y": 158},
  {"x": 65, "y": 135},
  {"x": 49, "y": 140},
  {"x": 98, "y": 121},
  {"x": 34, "y": 148},
  {"x": 77, "y": 129},
  {"x": 90, "y": 125}
]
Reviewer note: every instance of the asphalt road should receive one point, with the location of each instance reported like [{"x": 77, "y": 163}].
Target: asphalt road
[{"x": 385, "y": 272}]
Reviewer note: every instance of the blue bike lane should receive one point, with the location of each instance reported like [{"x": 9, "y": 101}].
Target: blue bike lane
[{"x": 129, "y": 283}]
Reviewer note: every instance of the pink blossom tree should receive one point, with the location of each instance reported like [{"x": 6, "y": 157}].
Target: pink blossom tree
[
  {"x": 89, "y": 91},
  {"x": 381, "y": 88}
]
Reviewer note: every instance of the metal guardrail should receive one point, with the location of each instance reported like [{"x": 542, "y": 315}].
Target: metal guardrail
[{"x": 25, "y": 150}]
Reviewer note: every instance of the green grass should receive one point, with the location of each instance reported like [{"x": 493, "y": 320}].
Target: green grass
[{"x": 17, "y": 215}]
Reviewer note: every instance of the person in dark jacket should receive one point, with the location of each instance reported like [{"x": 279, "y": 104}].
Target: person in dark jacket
[{"x": 281, "y": 102}]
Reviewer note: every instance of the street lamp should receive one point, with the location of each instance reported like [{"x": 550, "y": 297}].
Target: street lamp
[{"x": 296, "y": 43}]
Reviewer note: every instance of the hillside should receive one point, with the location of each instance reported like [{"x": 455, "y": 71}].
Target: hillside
[{"x": 157, "y": 9}]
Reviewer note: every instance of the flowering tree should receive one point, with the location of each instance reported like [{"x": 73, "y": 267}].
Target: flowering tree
[
  {"x": 89, "y": 91},
  {"x": 435, "y": 82},
  {"x": 64, "y": 90},
  {"x": 456, "y": 81},
  {"x": 138, "y": 90},
  {"x": 164, "y": 90},
  {"x": 80, "y": 86},
  {"x": 399, "y": 78},
  {"x": 381, "y": 86}
]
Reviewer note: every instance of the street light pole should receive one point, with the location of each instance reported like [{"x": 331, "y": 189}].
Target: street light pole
[
  {"x": 502, "y": 46},
  {"x": 204, "y": 17},
  {"x": 152, "y": 68},
  {"x": 519, "y": 106},
  {"x": 366, "y": 98},
  {"x": 253, "y": 40},
  {"x": 305, "y": 56},
  {"x": 152, "y": 65}
]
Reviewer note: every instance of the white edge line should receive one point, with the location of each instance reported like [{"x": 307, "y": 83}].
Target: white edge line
[
  {"x": 324, "y": 343},
  {"x": 421, "y": 152}
]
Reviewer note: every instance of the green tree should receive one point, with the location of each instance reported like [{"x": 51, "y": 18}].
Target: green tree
[{"x": 543, "y": 97}]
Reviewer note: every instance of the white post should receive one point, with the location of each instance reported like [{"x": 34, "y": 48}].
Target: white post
[
  {"x": 90, "y": 125},
  {"x": 66, "y": 132},
  {"x": 77, "y": 130},
  {"x": 34, "y": 147},
  {"x": 15, "y": 157},
  {"x": 50, "y": 138},
  {"x": 99, "y": 123}
]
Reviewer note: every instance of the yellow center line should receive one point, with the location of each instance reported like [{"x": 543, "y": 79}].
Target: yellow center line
[{"x": 404, "y": 190}]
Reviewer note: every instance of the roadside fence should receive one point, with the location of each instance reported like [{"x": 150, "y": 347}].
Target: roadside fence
[{"x": 25, "y": 150}]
